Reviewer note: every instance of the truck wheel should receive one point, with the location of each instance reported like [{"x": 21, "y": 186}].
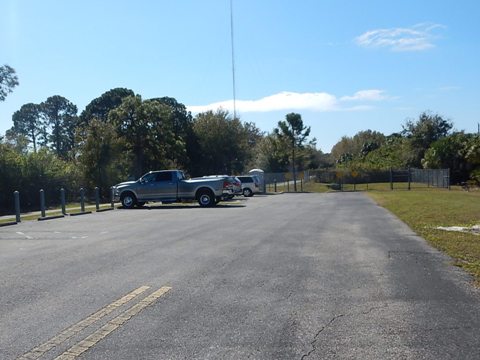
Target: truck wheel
[
  {"x": 206, "y": 198},
  {"x": 128, "y": 200},
  {"x": 247, "y": 192}
]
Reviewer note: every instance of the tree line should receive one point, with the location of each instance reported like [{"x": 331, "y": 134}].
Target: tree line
[
  {"x": 427, "y": 142},
  {"x": 119, "y": 135}
]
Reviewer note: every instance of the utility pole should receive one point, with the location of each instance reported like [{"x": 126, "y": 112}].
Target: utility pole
[{"x": 233, "y": 61}]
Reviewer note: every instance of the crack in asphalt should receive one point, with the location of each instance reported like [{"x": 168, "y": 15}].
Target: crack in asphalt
[
  {"x": 315, "y": 339},
  {"x": 372, "y": 309}
]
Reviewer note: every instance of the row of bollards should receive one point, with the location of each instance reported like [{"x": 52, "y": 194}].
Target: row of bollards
[{"x": 16, "y": 195}]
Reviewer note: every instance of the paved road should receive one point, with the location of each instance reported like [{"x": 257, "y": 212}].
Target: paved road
[{"x": 292, "y": 276}]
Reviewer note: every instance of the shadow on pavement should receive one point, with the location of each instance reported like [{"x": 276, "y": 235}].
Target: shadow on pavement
[{"x": 186, "y": 206}]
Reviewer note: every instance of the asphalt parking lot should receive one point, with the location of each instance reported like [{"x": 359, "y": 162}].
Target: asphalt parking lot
[{"x": 291, "y": 276}]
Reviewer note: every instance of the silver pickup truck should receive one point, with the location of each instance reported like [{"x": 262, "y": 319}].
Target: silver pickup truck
[{"x": 169, "y": 186}]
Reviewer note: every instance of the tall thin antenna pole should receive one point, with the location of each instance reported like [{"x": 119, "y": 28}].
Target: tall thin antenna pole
[{"x": 233, "y": 61}]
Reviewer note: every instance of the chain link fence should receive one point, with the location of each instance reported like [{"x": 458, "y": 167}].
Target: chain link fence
[
  {"x": 348, "y": 179},
  {"x": 432, "y": 177}
]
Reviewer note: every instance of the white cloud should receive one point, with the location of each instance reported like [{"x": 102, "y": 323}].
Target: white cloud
[
  {"x": 319, "y": 101},
  {"x": 366, "y": 95},
  {"x": 449, "y": 88},
  {"x": 419, "y": 37},
  {"x": 281, "y": 101}
]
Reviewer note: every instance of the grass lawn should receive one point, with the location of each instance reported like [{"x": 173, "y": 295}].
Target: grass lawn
[
  {"x": 424, "y": 210},
  {"x": 323, "y": 187}
]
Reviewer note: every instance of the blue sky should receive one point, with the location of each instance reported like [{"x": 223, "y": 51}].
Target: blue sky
[{"x": 345, "y": 66}]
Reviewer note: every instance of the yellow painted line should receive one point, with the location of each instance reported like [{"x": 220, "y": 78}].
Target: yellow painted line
[
  {"x": 90, "y": 341},
  {"x": 66, "y": 334}
]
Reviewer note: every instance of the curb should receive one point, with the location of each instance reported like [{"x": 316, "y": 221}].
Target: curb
[
  {"x": 50, "y": 217},
  {"x": 103, "y": 210},
  {"x": 8, "y": 223},
  {"x": 80, "y": 213}
]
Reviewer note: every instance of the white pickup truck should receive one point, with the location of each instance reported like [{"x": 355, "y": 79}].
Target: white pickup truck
[{"x": 169, "y": 186}]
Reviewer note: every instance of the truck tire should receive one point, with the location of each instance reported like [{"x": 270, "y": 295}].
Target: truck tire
[
  {"x": 206, "y": 198},
  {"x": 128, "y": 200}
]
